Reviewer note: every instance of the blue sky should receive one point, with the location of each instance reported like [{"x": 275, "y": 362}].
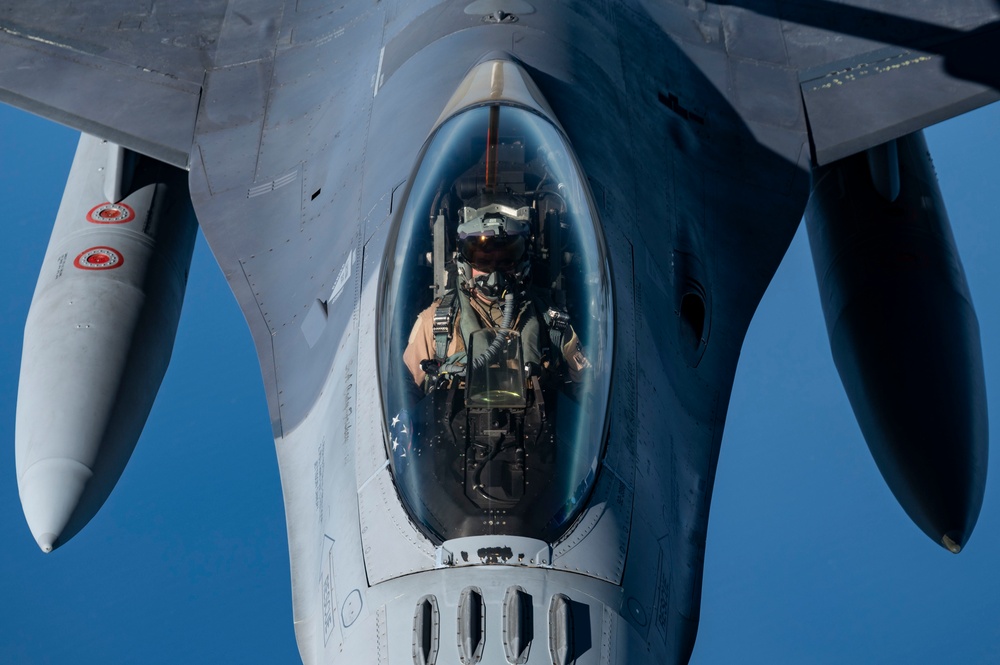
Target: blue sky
[{"x": 810, "y": 559}]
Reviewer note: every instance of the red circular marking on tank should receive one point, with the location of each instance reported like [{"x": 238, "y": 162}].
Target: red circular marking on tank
[
  {"x": 111, "y": 213},
  {"x": 99, "y": 258}
]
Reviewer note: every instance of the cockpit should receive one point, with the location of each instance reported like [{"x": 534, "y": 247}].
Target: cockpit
[{"x": 495, "y": 324}]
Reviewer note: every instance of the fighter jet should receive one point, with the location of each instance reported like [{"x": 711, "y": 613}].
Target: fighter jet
[{"x": 576, "y": 208}]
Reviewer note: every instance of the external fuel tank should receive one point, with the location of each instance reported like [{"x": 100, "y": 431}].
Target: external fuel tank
[
  {"x": 99, "y": 332},
  {"x": 903, "y": 330}
]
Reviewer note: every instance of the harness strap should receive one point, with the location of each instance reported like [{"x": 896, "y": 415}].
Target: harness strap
[
  {"x": 444, "y": 315},
  {"x": 557, "y": 321}
]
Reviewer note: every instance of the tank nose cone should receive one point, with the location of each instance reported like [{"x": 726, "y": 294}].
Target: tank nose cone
[
  {"x": 50, "y": 491},
  {"x": 953, "y": 541},
  {"x": 46, "y": 541}
]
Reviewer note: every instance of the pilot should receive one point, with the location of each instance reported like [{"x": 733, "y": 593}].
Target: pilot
[{"x": 493, "y": 292}]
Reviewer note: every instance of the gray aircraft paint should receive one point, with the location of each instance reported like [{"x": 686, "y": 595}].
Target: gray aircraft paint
[
  {"x": 99, "y": 333},
  {"x": 294, "y": 185}
]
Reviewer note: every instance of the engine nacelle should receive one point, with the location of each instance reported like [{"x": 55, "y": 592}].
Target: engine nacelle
[
  {"x": 99, "y": 332},
  {"x": 903, "y": 330}
]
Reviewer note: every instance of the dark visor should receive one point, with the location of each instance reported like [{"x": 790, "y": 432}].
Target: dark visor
[{"x": 493, "y": 253}]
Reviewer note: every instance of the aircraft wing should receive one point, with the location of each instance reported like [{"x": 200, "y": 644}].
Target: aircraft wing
[
  {"x": 867, "y": 71},
  {"x": 125, "y": 71}
]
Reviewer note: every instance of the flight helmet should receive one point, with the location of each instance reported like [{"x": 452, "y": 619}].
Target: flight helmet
[{"x": 493, "y": 240}]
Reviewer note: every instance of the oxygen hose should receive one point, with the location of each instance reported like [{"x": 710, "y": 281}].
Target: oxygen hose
[{"x": 490, "y": 354}]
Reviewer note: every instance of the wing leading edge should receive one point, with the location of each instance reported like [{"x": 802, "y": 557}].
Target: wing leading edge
[
  {"x": 863, "y": 72},
  {"x": 874, "y": 97},
  {"x": 129, "y": 73}
]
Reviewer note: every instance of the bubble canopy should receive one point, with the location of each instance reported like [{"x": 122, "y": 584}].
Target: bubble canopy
[{"x": 495, "y": 387}]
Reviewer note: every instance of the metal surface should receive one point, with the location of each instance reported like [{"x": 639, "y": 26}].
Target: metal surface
[
  {"x": 99, "y": 333},
  {"x": 695, "y": 124}
]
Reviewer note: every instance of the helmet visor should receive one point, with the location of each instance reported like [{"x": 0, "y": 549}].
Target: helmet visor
[{"x": 493, "y": 253}]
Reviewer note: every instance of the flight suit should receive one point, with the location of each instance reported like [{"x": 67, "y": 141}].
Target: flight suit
[{"x": 472, "y": 313}]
